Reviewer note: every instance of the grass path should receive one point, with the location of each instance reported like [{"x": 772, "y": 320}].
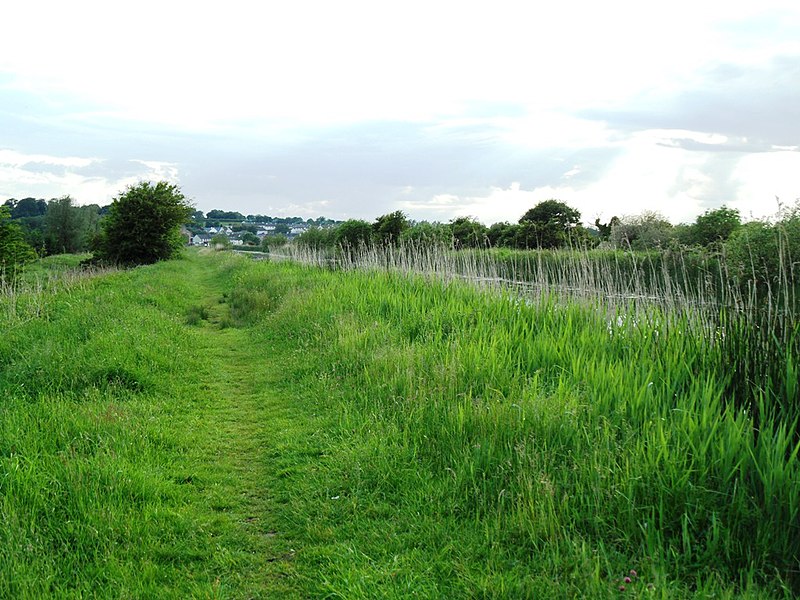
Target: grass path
[
  {"x": 241, "y": 437},
  {"x": 145, "y": 452}
]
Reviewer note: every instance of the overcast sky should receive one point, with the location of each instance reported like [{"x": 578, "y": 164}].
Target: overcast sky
[{"x": 441, "y": 109}]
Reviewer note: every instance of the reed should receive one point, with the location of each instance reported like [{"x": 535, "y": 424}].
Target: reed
[{"x": 750, "y": 325}]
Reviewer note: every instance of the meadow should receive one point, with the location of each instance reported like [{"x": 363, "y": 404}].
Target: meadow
[{"x": 399, "y": 424}]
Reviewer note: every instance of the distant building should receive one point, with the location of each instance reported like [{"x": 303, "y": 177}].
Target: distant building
[{"x": 200, "y": 239}]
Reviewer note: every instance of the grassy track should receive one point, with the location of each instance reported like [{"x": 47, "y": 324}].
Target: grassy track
[{"x": 137, "y": 451}]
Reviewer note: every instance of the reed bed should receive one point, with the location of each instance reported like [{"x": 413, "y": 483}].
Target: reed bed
[{"x": 751, "y": 323}]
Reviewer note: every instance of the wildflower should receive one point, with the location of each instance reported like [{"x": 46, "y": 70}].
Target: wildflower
[{"x": 626, "y": 580}]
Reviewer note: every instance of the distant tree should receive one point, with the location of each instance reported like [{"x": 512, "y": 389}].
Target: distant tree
[
  {"x": 33, "y": 232},
  {"x": 223, "y": 215},
  {"x": 646, "y": 231},
  {"x": 220, "y": 241},
  {"x": 65, "y": 231},
  {"x": 605, "y": 229},
  {"x": 468, "y": 233},
  {"x": 27, "y": 207},
  {"x": 389, "y": 227},
  {"x": 250, "y": 238},
  {"x": 684, "y": 234},
  {"x": 425, "y": 233},
  {"x": 502, "y": 234},
  {"x": 270, "y": 242},
  {"x": 283, "y": 228},
  {"x": 715, "y": 226},
  {"x": 766, "y": 252},
  {"x": 143, "y": 225},
  {"x": 353, "y": 234},
  {"x": 316, "y": 238},
  {"x": 548, "y": 224},
  {"x": 14, "y": 252}
]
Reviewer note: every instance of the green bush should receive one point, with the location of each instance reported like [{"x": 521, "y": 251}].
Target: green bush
[
  {"x": 143, "y": 225},
  {"x": 14, "y": 252}
]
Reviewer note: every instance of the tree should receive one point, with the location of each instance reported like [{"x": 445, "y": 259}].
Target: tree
[
  {"x": 646, "y": 231},
  {"x": 605, "y": 229},
  {"x": 64, "y": 227},
  {"x": 715, "y": 226},
  {"x": 220, "y": 242},
  {"x": 273, "y": 241},
  {"x": 316, "y": 238},
  {"x": 502, "y": 234},
  {"x": 389, "y": 227},
  {"x": 198, "y": 218},
  {"x": 143, "y": 225},
  {"x": 27, "y": 207},
  {"x": 250, "y": 238},
  {"x": 14, "y": 252},
  {"x": 468, "y": 233},
  {"x": 223, "y": 215},
  {"x": 425, "y": 233},
  {"x": 353, "y": 234},
  {"x": 549, "y": 224},
  {"x": 766, "y": 252}
]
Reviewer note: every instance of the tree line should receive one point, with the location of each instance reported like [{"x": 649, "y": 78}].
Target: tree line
[
  {"x": 56, "y": 226},
  {"x": 143, "y": 224},
  {"x": 551, "y": 224}
]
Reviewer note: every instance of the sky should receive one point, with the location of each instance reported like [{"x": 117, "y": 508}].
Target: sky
[{"x": 441, "y": 109}]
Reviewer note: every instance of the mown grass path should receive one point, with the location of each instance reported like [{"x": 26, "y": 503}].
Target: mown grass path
[
  {"x": 243, "y": 432},
  {"x": 146, "y": 439}
]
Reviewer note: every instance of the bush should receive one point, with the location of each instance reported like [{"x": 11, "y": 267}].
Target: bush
[
  {"x": 143, "y": 225},
  {"x": 276, "y": 240},
  {"x": 14, "y": 252},
  {"x": 353, "y": 234},
  {"x": 221, "y": 242},
  {"x": 646, "y": 231},
  {"x": 765, "y": 253},
  {"x": 316, "y": 238}
]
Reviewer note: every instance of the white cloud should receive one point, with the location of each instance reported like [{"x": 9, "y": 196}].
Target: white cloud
[
  {"x": 12, "y": 158},
  {"x": 44, "y": 176},
  {"x": 159, "y": 170},
  {"x": 765, "y": 178},
  {"x": 308, "y": 210},
  {"x": 196, "y": 64}
]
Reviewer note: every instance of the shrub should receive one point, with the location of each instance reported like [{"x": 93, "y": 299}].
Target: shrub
[
  {"x": 14, "y": 252},
  {"x": 143, "y": 225}
]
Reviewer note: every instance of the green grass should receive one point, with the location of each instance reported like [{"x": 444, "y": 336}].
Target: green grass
[
  {"x": 220, "y": 427},
  {"x": 132, "y": 444},
  {"x": 507, "y": 449}
]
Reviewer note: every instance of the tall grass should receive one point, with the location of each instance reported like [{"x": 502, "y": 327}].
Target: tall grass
[
  {"x": 26, "y": 297},
  {"x": 749, "y": 322},
  {"x": 555, "y": 428}
]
